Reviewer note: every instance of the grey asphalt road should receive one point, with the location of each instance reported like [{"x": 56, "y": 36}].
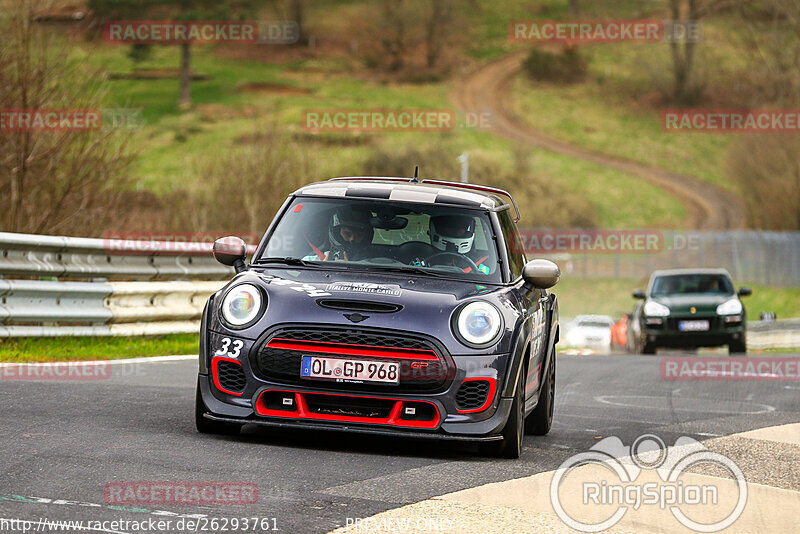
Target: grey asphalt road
[{"x": 63, "y": 441}]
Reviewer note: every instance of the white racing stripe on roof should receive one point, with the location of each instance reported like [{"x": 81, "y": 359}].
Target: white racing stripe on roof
[
  {"x": 332, "y": 191},
  {"x": 417, "y": 194}
]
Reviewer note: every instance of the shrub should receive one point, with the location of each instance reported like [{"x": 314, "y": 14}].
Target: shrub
[
  {"x": 567, "y": 67},
  {"x": 767, "y": 171},
  {"x": 540, "y": 203}
]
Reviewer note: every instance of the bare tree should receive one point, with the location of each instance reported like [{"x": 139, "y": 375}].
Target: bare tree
[
  {"x": 392, "y": 28},
  {"x": 683, "y": 12},
  {"x": 574, "y": 9},
  {"x": 52, "y": 181},
  {"x": 438, "y": 28}
]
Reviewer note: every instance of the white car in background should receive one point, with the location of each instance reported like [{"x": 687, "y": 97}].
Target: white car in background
[{"x": 589, "y": 331}]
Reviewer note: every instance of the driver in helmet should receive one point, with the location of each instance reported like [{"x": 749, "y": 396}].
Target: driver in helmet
[
  {"x": 455, "y": 234},
  {"x": 349, "y": 234}
]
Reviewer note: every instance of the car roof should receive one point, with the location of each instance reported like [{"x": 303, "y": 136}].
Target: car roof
[
  {"x": 391, "y": 188},
  {"x": 604, "y": 318},
  {"x": 670, "y": 272}
]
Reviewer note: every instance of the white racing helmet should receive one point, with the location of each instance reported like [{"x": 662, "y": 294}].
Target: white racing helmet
[{"x": 452, "y": 233}]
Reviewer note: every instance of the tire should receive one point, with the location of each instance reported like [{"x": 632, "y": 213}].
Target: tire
[
  {"x": 540, "y": 419},
  {"x": 648, "y": 348},
  {"x": 207, "y": 426},
  {"x": 514, "y": 431},
  {"x": 737, "y": 347}
]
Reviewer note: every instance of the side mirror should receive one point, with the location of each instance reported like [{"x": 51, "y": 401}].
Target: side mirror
[
  {"x": 541, "y": 274},
  {"x": 230, "y": 251},
  {"x": 745, "y": 291},
  {"x": 639, "y": 294}
]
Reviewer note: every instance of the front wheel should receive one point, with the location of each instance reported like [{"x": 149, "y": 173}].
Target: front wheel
[
  {"x": 541, "y": 418},
  {"x": 207, "y": 426},
  {"x": 513, "y": 432},
  {"x": 737, "y": 347}
]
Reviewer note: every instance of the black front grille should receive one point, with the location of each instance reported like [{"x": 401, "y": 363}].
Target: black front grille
[
  {"x": 354, "y": 337},
  {"x": 349, "y": 406},
  {"x": 472, "y": 394},
  {"x": 283, "y": 365},
  {"x": 231, "y": 376}
]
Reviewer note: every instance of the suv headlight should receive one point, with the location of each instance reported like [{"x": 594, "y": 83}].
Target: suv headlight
[
  {"x": 242, "y": 305},
  {"x": 730, "y": 307},
  {"x": 479, "y": 323},
  {"x": 654, "y": 309}
]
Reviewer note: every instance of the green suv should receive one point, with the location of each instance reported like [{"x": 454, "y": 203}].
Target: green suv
[{"x": 689, "y": 308}]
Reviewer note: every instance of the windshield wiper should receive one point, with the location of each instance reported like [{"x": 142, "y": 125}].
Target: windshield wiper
[
  {"x": 287, "y": 261},
  {"x": 411, "y": 269}
]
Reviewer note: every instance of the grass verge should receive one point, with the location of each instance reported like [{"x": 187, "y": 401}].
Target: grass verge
[{"x": 27, "y": 349}]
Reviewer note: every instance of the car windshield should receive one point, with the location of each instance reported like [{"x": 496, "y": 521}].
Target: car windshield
[
  {"x": 594, "y": 324},
  {"x": 393, "y": 236},
  {"x": 717, "y": 284}
]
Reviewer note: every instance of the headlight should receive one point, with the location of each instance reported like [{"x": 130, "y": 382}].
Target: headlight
[
  {"x": 730, "y": 307},
  {"x": 241, "y": 305},
  {"x": 479, "y": 323},
  {"x": 654, "y": 309}
]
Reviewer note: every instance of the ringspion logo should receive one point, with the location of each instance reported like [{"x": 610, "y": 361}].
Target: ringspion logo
[{"x": 592, "y": 491}]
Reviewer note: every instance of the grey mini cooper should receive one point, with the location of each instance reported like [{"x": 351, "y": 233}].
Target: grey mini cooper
[{"x": 384, "y": 306}]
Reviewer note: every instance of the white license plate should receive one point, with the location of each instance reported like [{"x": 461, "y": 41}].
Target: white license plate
[
  {"x": 346, "y": 370},
  {"x": 693, "y": 326}
]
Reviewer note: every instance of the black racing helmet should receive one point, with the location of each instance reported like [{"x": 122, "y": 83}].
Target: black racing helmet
[{"x": 352, "y": 218}]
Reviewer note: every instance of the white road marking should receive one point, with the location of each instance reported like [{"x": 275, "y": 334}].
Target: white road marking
[
  {"x": 603, "y": 399},
  {"x": 146, "y": 359}
]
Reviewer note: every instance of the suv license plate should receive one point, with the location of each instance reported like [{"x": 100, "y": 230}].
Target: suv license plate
[
  {"x": 350, "y": 370},
  {"x": 693, "y": 326}
]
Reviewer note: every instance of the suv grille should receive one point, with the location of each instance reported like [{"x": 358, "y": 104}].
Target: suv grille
[{"x": 423, "y": 367}]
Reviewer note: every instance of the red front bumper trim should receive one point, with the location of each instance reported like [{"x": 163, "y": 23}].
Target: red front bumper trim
[{"x": 300, "y": 410}]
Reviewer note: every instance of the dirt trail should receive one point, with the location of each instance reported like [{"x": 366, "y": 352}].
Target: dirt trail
[{"x": 709, "y": 208}]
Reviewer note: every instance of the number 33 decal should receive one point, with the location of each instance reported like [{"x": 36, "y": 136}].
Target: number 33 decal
[{"x": 226, "y": 343}]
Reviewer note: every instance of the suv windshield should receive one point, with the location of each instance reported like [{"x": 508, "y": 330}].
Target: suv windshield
[
  {"x": 357, "y": 234},
  {"x": 717, "y": 284}
]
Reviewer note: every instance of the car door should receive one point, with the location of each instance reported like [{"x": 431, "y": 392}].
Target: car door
[{"x": 533, "y": 302}]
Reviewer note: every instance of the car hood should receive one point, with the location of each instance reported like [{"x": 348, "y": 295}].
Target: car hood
[
  {"x": 427, "y": 304},
  {"x": 684, "y": 303}
]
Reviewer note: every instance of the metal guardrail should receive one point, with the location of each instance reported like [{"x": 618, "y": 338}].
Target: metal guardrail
[
  {"x": 79, "y": 257},
  {"x": 135, "y": 287},
  {"x": 780, "y": 334}
]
